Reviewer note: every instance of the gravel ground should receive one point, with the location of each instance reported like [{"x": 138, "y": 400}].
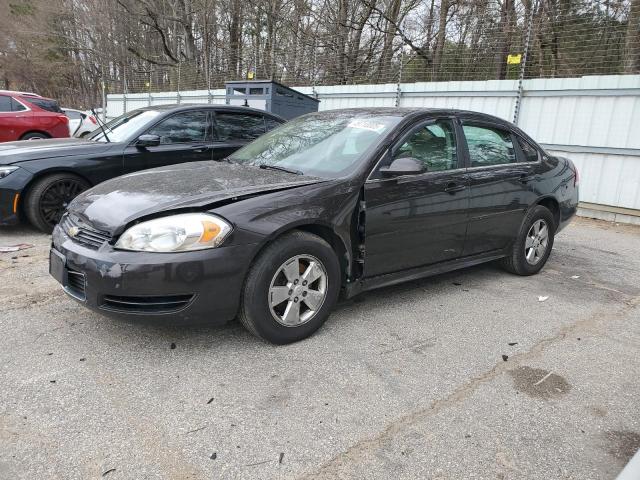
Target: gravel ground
[{"x": 465, "y": 375}]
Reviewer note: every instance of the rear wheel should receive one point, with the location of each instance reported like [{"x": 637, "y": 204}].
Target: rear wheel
[
  {"x": 291, "y": 288},
  {"x": 34, "y": 136},
  {"x": 533, "y": 245},
  {"x": 49, "y": 197}
]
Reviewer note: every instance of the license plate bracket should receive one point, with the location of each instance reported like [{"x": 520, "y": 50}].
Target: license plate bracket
[{"x": 57, "y": 270}]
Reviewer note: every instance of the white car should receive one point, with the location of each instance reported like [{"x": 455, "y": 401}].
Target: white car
[{"x": 80, "y": 123}]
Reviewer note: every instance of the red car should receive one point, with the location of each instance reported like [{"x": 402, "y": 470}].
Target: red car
[{"x": 27, "y": 116}]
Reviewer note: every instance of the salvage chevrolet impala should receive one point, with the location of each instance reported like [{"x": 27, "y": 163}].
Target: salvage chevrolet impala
[{"x": 335, "y": 202}]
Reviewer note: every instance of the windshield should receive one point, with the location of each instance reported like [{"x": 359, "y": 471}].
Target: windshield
[
  {"x": 323, "y": 144},
  {"x": 120, "y": 129}
]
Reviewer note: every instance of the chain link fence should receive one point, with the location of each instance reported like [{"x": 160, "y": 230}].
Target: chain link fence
[{"x": 455, "y": 41}]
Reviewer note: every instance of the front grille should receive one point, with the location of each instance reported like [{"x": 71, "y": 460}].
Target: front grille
[
  {"x": 76, "y": 284},
  {"x": 83, "y": 234},
  {"x": 154, "y": 304}
]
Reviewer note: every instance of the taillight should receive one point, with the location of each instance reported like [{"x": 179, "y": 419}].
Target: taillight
[
  {"x": 92, "y": 119},
  {"x": 576, "y": 177}
]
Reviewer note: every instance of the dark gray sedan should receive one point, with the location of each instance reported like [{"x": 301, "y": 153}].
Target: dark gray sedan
[{"x": 335, "y": 202}]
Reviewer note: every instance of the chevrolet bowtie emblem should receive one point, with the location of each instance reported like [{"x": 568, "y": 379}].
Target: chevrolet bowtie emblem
[{"x": 73, "y": 231}]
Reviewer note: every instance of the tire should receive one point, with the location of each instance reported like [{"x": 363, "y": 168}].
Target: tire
[
  {"x": 526, "y": 256},
  {"x": 266, "y": 281},
  {"x": 34, "y": 136},
  {"x": 48, "y": 198}
]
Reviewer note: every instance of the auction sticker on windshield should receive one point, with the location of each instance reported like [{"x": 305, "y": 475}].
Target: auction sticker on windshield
[{"x": 365, "y": 124}]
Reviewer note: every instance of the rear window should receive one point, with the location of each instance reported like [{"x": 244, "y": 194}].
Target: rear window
[
  {"x": 45, "y": 104},
  {"x": 73, "y": 115}
]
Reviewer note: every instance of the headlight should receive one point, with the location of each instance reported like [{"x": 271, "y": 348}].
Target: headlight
[
  {"x": 6, "y": 170},
  {"x": 177, "y": 233}
]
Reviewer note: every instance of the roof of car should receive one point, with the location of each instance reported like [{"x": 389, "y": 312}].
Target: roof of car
[
  {"x": 186, "y": 106},
  {"x": 406, "y": 112},
  {"x": 22, "y": 94},
  {"x": 379, "y": 111}
]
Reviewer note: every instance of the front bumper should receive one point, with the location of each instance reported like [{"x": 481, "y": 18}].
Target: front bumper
[
  {"x": 11, "y": 188},
  {"x": 187, "y": 287}
]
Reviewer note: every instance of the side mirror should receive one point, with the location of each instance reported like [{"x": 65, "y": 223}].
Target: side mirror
[
  {"x": 403, "y": 166},
  {"x": 148, "y": 141}
]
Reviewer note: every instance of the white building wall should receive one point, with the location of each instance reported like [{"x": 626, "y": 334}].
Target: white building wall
[{"x": 593, "y": 120}]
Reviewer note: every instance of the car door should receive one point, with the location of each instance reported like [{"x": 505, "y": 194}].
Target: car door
[
  {"x": 417, "y": 220},
  {"x": 499, "y": 185},
  {"x": 15, "y": 119},
  {"x": 234, "y": 130},
  {"x": 184, "y": 137}
]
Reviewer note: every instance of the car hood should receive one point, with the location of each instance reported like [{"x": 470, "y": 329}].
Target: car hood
[
  {"x": 111, "y": 205},
  {"x": 15, "y": 152}
]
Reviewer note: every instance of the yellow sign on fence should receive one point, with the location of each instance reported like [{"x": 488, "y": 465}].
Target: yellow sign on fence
[{"x": 514, "y": 59}]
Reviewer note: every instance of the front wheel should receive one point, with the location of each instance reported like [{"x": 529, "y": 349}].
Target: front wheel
[
  {"x": 532, "y": 247},
  {"x": 48, "y": 198},
  {"x": 291, "y": 288}
]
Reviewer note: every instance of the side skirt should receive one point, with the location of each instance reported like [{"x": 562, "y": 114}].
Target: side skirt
[{"x": 394, "y": 278}]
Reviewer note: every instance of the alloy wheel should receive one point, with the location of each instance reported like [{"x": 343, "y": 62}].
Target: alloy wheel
[
  {"x": 537, "y": 241},
  {"x": 298, "y": 290},
  {"x": 56, "y": 197}
]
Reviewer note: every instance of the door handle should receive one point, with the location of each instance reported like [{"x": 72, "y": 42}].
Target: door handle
[
  {"x": 199, "y": 148},
  {"x": 453, "y": 187}
]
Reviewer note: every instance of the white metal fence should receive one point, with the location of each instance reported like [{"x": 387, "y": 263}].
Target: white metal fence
[{"x": 593, "y": 120}]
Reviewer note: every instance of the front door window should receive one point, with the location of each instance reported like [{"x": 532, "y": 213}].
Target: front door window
[
  {"x": 185, "y": 127},
  {"x": 434, "y": 145}
]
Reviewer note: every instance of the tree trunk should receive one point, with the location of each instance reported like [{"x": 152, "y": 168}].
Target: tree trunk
[
  {"x": 507, "y": 22},
  {"x": 632, "y": 43},
  {"x": 186, "y": 20},
  {"x": 440, "y": 38},
  {"x": 235, "y": 36},
  {"x": 384, "y": 65}
]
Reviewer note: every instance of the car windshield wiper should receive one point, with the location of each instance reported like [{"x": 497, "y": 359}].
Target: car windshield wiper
[
  {"x": 101, "y": 124},
  {"x": 266, "y": 166}
]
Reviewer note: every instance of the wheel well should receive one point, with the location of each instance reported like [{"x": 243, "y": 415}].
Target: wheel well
[
  {"x": 552, "y": 205},
  {"x": 328, "y": 235},
  {"x": 26, "y": 190},
  {"x": 35, "y": 131}
]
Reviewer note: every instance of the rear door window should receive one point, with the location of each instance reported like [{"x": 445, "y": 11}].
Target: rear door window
[
  {"x": 489, "y": 146},
  {"x": 239, "y": 126}
]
